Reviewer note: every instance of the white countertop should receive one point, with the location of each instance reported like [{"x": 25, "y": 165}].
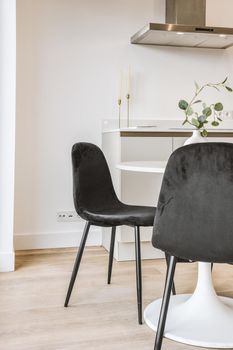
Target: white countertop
[{"x": 165, "y": 126}]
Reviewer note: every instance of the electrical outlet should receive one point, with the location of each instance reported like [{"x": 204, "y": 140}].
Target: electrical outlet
[{"x": 67, "y": 216}]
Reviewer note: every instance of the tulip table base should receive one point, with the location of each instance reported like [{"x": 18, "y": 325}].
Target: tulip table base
[{"x": 201, "y": 319}]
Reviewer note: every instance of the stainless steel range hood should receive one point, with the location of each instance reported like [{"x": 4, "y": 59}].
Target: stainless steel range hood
[{"x": 187, "y": 29}]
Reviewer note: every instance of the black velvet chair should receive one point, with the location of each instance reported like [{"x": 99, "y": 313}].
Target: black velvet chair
[
  {"x": 194, "y": 219},
  {"x": 96, "y": 202}
]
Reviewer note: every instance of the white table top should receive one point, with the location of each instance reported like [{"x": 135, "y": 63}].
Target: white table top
[{"x": 143, "y": 166}]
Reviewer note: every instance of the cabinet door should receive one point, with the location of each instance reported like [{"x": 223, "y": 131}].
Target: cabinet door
[
  {"x": 220, "y": 139},
  {"x": 145, "y": 148},
  {"x": 179, "y": 141},
  {"x": 142, "y": 188}
]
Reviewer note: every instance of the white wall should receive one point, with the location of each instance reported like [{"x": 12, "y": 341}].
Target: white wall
[
  {"x": 69, "y": 55},
  {"x": 7, "y": 130}
]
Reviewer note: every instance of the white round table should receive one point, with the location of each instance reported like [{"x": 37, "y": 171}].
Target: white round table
[
  {"x": 201, "y": 319},
  {"x": 143, "y": 166}
]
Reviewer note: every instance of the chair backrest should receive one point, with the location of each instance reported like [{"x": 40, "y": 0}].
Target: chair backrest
[
  {"x": 92, "y": 184},
  {"x": 194, "y": 218}
]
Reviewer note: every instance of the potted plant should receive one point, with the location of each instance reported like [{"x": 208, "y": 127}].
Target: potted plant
[{"x": 199, "y": 114}]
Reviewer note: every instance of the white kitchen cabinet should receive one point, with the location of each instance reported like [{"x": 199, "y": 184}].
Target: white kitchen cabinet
[
  {"x": 179, "y": 141},
  {"x": 134, "y": 187},
  {"x": 141, "y": 188}
]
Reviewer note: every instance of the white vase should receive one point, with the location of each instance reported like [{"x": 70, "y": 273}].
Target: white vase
[{"x": 195, "y": 138}]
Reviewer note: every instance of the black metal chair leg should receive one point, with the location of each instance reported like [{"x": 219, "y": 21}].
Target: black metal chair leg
[
  {"x": 138, "y": 272},
  {"x": 77, "y": 262},
  {"x": 173, "y": 285},
  {"x": 165, "y": 303},
  {"x": 111, "y": 251}
]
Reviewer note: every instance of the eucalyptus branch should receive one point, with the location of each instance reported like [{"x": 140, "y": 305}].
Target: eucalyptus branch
[{"x": 199, "y": 121}]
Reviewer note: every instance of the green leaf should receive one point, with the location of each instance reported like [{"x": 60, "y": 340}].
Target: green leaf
[
  {"x": 198, "y": 101},
  {"x": 224, "y": 81},
  {"x": 196, "y": 85},
  {"x": 218, "y": 107},
  {"x": 183, "y": 105},
  {"x": 202, "y": 118},
  {"x": 215, "y": 123},
  {"x": 207, "y": 111},
  {"x": 189, "y": 111},
  {"x": 195, "y": 122},
  {"x": 204, "y": 133},
  {"x": 229, "y": 88}
]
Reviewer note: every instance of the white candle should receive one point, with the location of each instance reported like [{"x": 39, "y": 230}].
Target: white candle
[
  {"x": 120, "y": 86},
  {"x": 129, "y": 80}
]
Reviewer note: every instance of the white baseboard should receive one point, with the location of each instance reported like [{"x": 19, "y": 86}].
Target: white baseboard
[
  {"x": 7, "y": 261},
  {"x": 123, "y": 250},
  {"x": 45, "y": 240}
]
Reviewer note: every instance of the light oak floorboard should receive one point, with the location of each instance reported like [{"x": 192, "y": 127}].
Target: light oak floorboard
[{"x": 100, "y": 316}]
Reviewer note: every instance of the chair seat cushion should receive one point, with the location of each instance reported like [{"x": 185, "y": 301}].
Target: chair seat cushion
[{"x": 122, "y": 214}]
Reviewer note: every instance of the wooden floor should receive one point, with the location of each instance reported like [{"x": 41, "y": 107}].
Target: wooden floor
[{"x": 100, "y": 317}]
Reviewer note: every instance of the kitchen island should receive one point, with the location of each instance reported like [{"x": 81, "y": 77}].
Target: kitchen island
[{"x": 145, "y": 143}]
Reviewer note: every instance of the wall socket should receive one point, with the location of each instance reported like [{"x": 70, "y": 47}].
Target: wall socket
[{"x": 67, "y": 216}]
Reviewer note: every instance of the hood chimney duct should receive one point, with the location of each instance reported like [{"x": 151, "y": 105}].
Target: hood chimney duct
[{"x": 191, "y": 12}]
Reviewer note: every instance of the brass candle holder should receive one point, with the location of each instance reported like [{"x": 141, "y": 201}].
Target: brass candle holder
[
  {"x": 128, "y": 105},
  {"x": 119, "y": 112}
]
